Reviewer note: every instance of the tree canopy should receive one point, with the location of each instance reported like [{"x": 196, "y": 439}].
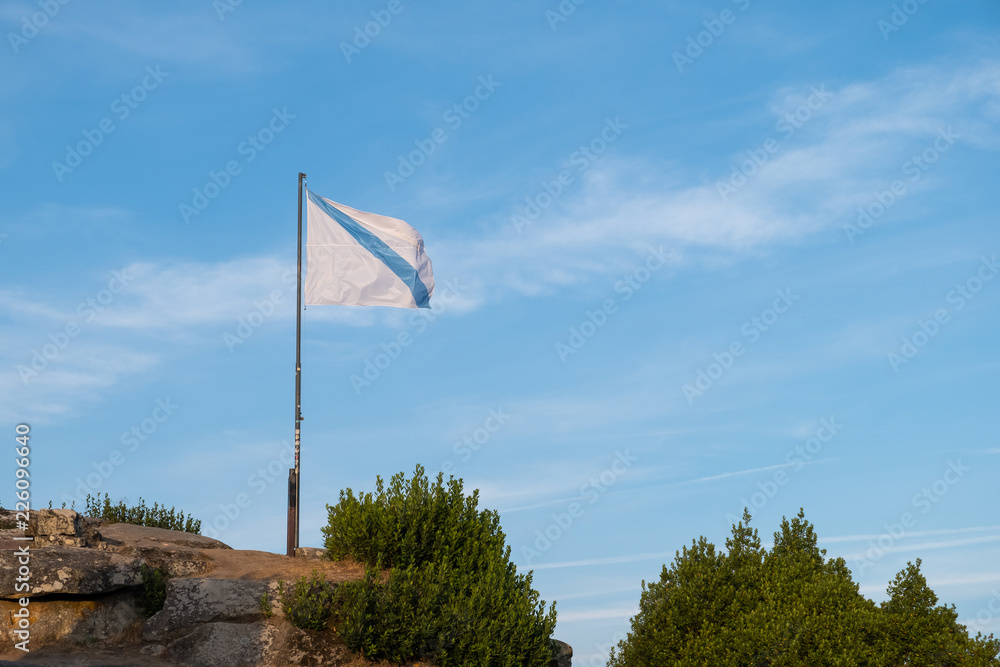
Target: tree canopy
[{"x": 790, "y": 606}]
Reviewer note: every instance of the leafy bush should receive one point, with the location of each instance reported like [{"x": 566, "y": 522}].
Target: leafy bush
[
  {"x": 452, "y": 595},
  {"x": 153, "y": 594},
  {"x": 441, "y": 613},
  {"x": 309, "y": 604},
  {"x": 140, "y": 515},
  {"x": 411, "y": 523},
  {"x": 789, "y": 606}
]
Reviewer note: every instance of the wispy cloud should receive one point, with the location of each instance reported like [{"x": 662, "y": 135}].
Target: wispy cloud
[
  {"x": 611, "y": 560},
  {"x": 738, "y": 473},
  {"x": 600, "y": 593},
  {"x": 166, "y": 295},
  {"x": 911, "y": 534},
  {"x": 179, "y": 297},
  {"x": 925, "y": 546},
  {"x": 75, "y": 378},
  {"x": 63, "y": 349},
  {"x": 857, "y": 144},
  {"x": 942, "y": 544},
  {"x": 594, "y": 614},
  {"x": 967, "y": 579}
]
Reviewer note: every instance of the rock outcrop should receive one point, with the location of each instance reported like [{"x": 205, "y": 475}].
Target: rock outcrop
[
  {"x": 193, "y": 602},
  {"x": 176, "y": 553},
  {"x": 263, "y": 642},
  {"x": 69, "y": 571},
  {"x": 85, "y": 588},
  {"x": 563, "y": 654}
]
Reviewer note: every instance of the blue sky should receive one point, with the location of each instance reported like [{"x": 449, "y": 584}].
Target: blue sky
[{"x": 688, "y": 256}]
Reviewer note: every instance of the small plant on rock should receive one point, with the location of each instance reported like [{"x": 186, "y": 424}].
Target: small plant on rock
[
  {"x": 265, "y": 605},
  {"x": 309, "y": 603},
  {"x": 154, "y": 590}
]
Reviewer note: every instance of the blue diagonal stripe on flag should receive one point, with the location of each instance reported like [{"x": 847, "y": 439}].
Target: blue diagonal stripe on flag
[{"x": 378, "y": 248}]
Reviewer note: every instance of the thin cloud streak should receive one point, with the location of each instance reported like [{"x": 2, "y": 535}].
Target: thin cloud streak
[
  {"x": 595, "y": 614},
  {"x": 923, "y": 546},
  {"x": 916, "y": 533},
  {"x": 612, "y": 560}
]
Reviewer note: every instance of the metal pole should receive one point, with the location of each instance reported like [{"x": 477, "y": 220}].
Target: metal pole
[
  {"x": 290, "y": 532},
  {"x": 298, "y": 371}
]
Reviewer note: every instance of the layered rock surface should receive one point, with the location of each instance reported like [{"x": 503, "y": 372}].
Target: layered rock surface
[{"x": 84, "y": 588}]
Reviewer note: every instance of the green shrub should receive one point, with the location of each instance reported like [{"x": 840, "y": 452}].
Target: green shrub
[
  {"x": 140, "y": 515},
  {"x": 153, "y": 594},
  {"x": 452, "y": 595},
  {"x": 410, "y": 523},
  {"x": 441, "y": 613},
  {"x": 308, "y": 604},
  {"x": 789, "y": 606}
]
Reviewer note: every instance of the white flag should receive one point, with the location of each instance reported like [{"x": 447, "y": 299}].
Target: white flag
[{"x": 354, "y": 258}]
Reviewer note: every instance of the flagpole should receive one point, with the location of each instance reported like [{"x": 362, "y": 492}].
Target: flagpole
[{"x": 295, "y": 474}]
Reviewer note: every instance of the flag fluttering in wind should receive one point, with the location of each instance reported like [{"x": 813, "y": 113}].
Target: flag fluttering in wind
[{"x": 354, "y": 258}]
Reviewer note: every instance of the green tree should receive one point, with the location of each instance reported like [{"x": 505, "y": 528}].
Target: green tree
[
  {"x": 789, "y": 606},
  {"x": 451, "y": 593},
  {"x": 921, "y": 632}
]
